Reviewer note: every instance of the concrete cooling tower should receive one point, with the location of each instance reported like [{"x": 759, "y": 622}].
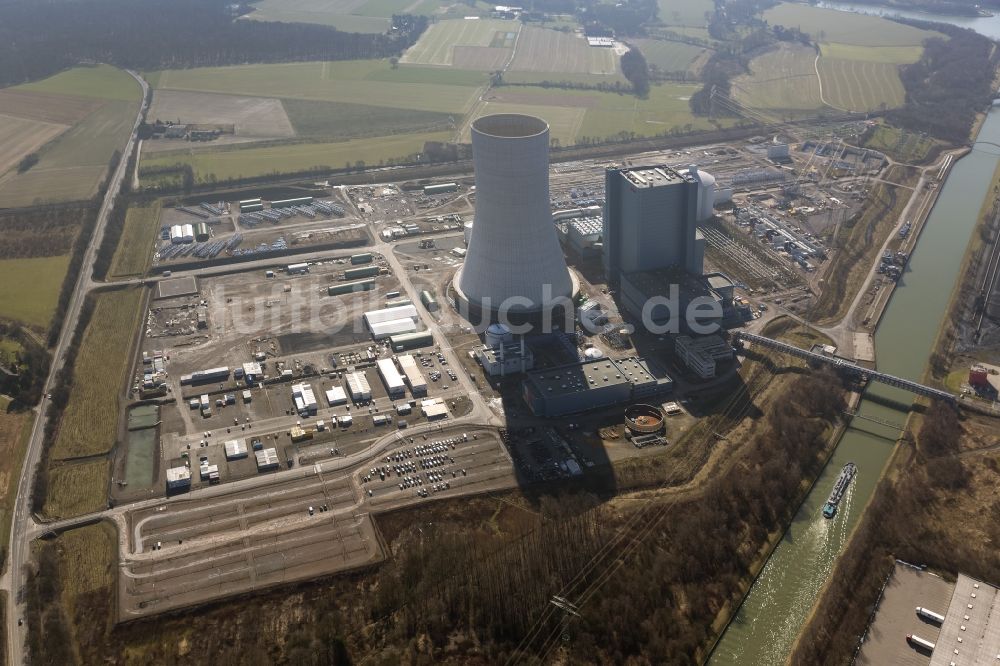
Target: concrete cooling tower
[{"x": 513, "y": 249}]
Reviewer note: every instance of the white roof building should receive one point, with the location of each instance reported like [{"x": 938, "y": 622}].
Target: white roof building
[
  {"x": 357, "y": 384},
  {"x": 390, "y": 377},
  {"x": 384, "y": 329},
  {"x": 336, "y": 396},
  {"x": 235, "y": 449},
  {"x": 178, "y": 477},
  {"x": 266, "y": 459},
  {"x": 434, "y": 408},
  {"x": 415, "y": 378},
  {"x": 387, "y": 314}
]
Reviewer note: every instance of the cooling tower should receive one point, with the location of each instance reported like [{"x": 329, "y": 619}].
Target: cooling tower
[{"x": 514, "y": 263}]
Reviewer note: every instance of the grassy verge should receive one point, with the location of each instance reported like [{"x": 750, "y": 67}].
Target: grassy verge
[
  {"x": 90, "y": 422},
  {"x": 15, "y": 428},
  {"x": 901, "y": 145},
  {"x": 135, "y": 249},
  {"x": 77, "y": 488}
]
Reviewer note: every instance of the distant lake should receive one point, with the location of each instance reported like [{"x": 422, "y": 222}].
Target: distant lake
[{"x": 984, "y": 25}]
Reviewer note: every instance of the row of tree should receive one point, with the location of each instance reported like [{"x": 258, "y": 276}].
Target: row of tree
[{"x": 38, "y": 39}]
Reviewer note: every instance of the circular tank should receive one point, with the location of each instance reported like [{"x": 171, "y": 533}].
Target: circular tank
[
  {"x": 497, "y": 334},
  {"x": 593, "y": 353},
  {"x": 706, "y": 195},
  {"x": 643, "y": 419}
]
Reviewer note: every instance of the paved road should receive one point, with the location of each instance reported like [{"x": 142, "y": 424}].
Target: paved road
[{"x": 23, "y": 523}]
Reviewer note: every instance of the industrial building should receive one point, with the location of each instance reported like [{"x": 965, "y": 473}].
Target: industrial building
[
  {"x": 702, "y": 354},
  {"x": 267, "y": 459},
  {"x": 712, "y": 295},
  {"x": 358, "y": 386},
  {"x": 350, "y": 287},
  {"x": 336, "y": 396},
  {"x": 395, "y": 387},
  {"x": 178, "y": 478},
  {"x": 505, "y": 359},
  {"x": 414, "y": 378},
  {"x": 391, "y": 321},
  {"x": 204, "y": 376},
  {"x": 434, "y": 408},
  {"x": 441, "y": 188},
  {"x": 407, "y": 341},
  {"x": 427, "y": 298},
  {"x": 236, "y": 449},
  {"x": 514, "y": 259},
  {"x": 362, "y": 258},
  {"x": 651, "y": 220},
  {"x": 305, "y": 399},
  {"x": 361, "y": 272},
  {"x": 583, "y": 236},
  {"x": 297, "y": 269},
  {"x": 592, "y": 384}
]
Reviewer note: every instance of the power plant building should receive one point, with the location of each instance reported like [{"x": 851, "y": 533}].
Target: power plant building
[
  {"x": 592, "y": 384},
  {"x": 514, "y": 263}
]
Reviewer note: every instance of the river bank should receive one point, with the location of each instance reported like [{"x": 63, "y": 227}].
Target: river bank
[{"x": 768, "y": 623}]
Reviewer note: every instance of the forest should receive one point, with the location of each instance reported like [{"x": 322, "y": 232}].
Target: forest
[
  {"x": 38, "y": 39},
  {"x": 949, "y": 85}
]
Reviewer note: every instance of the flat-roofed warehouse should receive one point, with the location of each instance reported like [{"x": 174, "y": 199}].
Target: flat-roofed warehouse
[
  {"x": 411, "y": 371},
  {"x": 394, "y": 384},
  {"x": 358, "y": 386},
  {"x": 594, "y": 384}
]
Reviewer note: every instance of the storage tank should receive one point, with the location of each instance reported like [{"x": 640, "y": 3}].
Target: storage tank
[
  {"x": 467, "y": 229},
  {"x": 706, "y": 193},
  {"x": 497, "y": 334},
  {"x": 514, "y": 268}
]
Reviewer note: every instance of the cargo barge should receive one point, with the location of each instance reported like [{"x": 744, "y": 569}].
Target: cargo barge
[{"x": 839, "y": 488}]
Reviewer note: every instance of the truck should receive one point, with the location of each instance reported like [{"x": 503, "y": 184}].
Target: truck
[
  {"x": 928, "y": 614},
  {"x": 919, "y": 642}
]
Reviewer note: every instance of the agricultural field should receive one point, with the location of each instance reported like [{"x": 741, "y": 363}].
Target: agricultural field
[
  {"x": 371, "y": 82},
  {"x": 543, "y": 50},
  {"x": 89, "y": 424},
  {"x": 249, "y": 117},
  {"x": 782, "y": 79},
  {"x": 239, "y": 162},
  {"x": 854, "y": 85},
  {"x": 670, "y": 56},
  {"x": 29, "y": 288},
  {"x": 75, "y": 121},
  {"x": 339, "y": 120},
  {"x": 829, "y": 25},
  {"x": 897, "y": 55},
  {"x": 685, "y": 13},
  {"x": 135, "y": 248},
  {"x": 76, "y": 488},
  {"x": 369, "y": 16},
  {"x": 468, "y": 44}
]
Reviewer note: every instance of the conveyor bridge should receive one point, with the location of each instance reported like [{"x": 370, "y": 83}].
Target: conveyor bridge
[{"x": 853, "y": 368}]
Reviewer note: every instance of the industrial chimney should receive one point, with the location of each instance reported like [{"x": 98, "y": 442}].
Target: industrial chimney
[{"x": 514, "y": 267}]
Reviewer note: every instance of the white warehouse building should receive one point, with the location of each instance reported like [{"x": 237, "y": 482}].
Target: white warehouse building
[{"x": 393, "y": 381}]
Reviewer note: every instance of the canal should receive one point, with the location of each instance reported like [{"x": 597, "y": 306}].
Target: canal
[
  {"x": 765, "y": 626},
  {"x": 984, "y": 25}
]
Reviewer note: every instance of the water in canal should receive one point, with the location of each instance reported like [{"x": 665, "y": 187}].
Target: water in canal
[{"x": 770, "y": 618}]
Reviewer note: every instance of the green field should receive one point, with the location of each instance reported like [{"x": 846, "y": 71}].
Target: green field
[
  {"x": 29, "y": 288},
  {"x": 854, "y": 85},
  {"x": 337, "y": 120},
  {"x": 782, "y": 79},
  {"x": 437, "y": 45},
  {"x": 77, "y": 488},
  {"x": 135, "y": 248},
  {"x": 371, "y": 82},
  {"x": 544, "y": 50},
  {"x": 689, "y": 13},
  {"x": 670, "y": 56},
  {"x": 564, "y": 121},
  {"x": 829, "y": 25},
  {"x": 899, "y": 55},
  {"x": 72, "y": 164},
  {"x": 370, "y": 16},
  {"x": 559, "y": 77},
  {"x": 100, "y": 81},
  {"x": 239, "y": 162},
  {"x": 89, "y": 424}
]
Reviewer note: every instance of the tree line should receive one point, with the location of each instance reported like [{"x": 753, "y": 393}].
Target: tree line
[
  {"x": 38, "y": 39},
  {"x": 949, "y": 85}
]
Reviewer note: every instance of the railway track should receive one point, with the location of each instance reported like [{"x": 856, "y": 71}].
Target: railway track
[{"x": 989, "y": 283}]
